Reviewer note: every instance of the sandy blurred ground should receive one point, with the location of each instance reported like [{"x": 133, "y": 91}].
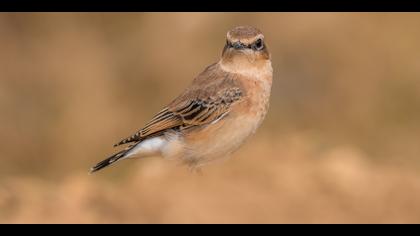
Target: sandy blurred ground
[{"x": 341, "y": 142}]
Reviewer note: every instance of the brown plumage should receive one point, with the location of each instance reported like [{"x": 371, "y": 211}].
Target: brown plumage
[
  {"x": 208, "y": 98},
  {"x": 216, "y": 113}
]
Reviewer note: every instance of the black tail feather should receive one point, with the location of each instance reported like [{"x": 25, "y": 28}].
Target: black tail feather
[{"x": 110, "y": 160}]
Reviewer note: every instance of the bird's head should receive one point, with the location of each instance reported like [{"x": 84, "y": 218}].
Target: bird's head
[{"x": 245, "y": 42}]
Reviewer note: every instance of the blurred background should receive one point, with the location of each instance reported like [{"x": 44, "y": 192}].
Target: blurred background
[{"x": 340, "y": 144}]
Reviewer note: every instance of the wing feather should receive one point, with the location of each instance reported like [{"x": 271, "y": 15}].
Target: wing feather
[{"x": 207, "y": 100}]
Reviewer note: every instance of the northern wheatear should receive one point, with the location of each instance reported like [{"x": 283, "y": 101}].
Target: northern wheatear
[{"x": 222, "y": 107}]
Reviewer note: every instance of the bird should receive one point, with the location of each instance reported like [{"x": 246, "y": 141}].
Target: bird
[{"x": 222, "y": 107}]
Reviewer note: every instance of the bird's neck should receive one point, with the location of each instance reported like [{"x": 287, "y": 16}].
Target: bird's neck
[{"x": 253, "y": 69}]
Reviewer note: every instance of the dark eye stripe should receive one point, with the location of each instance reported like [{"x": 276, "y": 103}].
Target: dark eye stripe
[{"x": 257, "y": 45}]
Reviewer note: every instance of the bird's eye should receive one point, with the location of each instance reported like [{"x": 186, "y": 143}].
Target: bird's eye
[{"x": 258, "y": 45}]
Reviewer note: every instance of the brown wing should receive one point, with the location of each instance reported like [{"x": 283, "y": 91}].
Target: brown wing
[
  {"x": 206, "y": 100},
  {"x": 201, "y": 111},
  {"x": 164, "y": 120}
]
